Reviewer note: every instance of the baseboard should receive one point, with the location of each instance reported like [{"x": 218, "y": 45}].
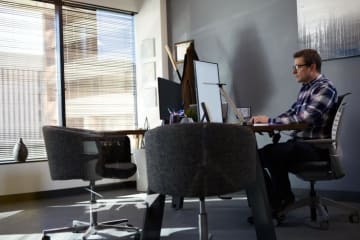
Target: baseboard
[
  {"x": 345, "y": 196},
  {"x": 63, "y": 192}
]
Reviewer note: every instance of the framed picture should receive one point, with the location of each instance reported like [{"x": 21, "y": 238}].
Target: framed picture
[
  {"x": 330, "y": 27},
  {"x": 180, "y": 50}
]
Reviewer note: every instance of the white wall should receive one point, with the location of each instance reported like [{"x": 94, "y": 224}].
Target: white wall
[
  {"x": 34, "y": 177},
  {"x": 150, "y": 25}
]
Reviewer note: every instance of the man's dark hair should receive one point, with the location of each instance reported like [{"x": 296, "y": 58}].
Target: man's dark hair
[{"x": 310, "y": 56}]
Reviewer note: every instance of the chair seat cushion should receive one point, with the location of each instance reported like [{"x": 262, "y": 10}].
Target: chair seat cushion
[
  {"x": 313, "y": 166},
  {"x": 118, "y": 170},
  {"x": 314, "y": 170}
]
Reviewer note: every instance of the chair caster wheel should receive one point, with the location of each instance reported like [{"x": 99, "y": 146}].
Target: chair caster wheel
[
  {"x": 354, "y": 218},
  {"x": 45, "y": 237},
  {"x": 279, "y": 219},
  {"x": 326, "y": 208},
  {"x": 324, "y": 225}
]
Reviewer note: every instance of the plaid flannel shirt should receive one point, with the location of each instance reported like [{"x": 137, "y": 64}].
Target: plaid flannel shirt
[{"x": 312, "y": 106}]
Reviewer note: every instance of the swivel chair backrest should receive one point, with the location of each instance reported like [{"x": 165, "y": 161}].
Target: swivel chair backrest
[
  {"x": 200, "y": 159},
  {"x": 66, "y": 153},
  {"x": 335, "y": 150}
]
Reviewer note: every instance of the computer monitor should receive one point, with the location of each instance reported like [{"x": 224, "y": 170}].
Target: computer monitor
[{"x": 169, "y": 97}]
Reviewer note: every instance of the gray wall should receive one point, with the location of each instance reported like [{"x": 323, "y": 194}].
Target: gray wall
[{"x": 253, "y": 42}]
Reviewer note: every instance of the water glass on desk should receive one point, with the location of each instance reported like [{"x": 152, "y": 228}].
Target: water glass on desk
[{"x": 246, "y": 112}]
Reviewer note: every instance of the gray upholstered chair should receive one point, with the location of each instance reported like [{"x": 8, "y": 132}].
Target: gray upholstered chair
[
  {"x": 90, "y": 156},
  {"x": 200, "y": 160},
  {"x": 324, "y": 170}
]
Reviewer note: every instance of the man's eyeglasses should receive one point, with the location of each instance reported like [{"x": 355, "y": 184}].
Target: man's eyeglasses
[{"x": 296, "y": 67}]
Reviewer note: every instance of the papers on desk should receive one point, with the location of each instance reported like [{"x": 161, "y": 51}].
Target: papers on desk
[
  {"x": 262, "y": 124},
  {"x": 258, "y": 124}
]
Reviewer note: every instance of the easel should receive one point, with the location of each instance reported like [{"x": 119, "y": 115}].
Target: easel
[{"x": 168, "y": 51}]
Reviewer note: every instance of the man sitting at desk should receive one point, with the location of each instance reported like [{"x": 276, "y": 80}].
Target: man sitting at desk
[{"x": 314, "y": 102}]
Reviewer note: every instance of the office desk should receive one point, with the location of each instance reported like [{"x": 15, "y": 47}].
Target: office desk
[
  {"x": 139, "y": 134},
  {"x": 126, "y": 132},
  {"x": 277, "y": 127},
  {"x": 256, "y": 192}
]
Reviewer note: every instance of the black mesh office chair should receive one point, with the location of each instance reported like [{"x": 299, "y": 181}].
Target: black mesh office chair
[
  {"x": 200, "y": 160},
  {"x": 324, "y": 170},
  {"x": 90, "y": 156}
]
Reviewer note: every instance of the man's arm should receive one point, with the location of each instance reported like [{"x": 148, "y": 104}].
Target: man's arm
[
  {"x": 266, "y": 119},
  {"x": 320, "y": 101}
]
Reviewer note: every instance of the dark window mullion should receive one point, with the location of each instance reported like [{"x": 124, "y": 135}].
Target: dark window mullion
[{"x": 60, "y": 61}]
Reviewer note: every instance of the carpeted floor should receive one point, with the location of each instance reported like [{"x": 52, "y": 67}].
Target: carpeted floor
[{"x": 25, "y": 220}]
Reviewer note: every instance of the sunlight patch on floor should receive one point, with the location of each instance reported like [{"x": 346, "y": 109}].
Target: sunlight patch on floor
[
  {"x": 9, "y": 214},
  {"x": 165, "y": 232}
]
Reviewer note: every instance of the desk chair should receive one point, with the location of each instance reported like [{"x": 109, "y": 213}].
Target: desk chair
[
  {"x": 200, "y": 160},
  {"x": 324, "y": 170},
  {"x": 90, "y": 156}
]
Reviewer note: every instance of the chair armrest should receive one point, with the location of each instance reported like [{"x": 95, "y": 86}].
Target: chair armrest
[
  {"x": 318, "y": 141},
  {"x": 326, "y": 143}
]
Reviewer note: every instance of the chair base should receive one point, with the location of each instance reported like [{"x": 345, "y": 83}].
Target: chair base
[
  {"x": 203, "y": 224},
  {"x": 319, "y": 212},
  {"x": 90, "y": 229}
]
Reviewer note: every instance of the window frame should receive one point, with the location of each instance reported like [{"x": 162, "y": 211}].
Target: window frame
[{"x": 60, "y": 66}]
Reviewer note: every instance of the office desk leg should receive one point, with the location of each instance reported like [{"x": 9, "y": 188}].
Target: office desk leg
[
  {"x": 177, "y": 202},
  {"x": 153, "y": 219},
  {"x": 258, "y": 201}
]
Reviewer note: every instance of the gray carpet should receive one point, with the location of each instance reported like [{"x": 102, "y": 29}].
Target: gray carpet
[{"x": 25, "y": 220}]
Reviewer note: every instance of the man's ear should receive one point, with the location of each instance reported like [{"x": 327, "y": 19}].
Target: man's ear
[{"x": 313, "y": 67}]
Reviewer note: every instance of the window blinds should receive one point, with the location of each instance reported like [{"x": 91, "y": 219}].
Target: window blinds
[
  {"x": 99, "y": 72},
  {"x": 100, "y": 89},
  {"x": 27, "y": 77}
]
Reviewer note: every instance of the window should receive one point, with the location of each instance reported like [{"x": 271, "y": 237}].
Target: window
[
  {"x": 27, "y": 81},
  {"x": 99, "y": 69},
  {"x": 99, "y": 72}
]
